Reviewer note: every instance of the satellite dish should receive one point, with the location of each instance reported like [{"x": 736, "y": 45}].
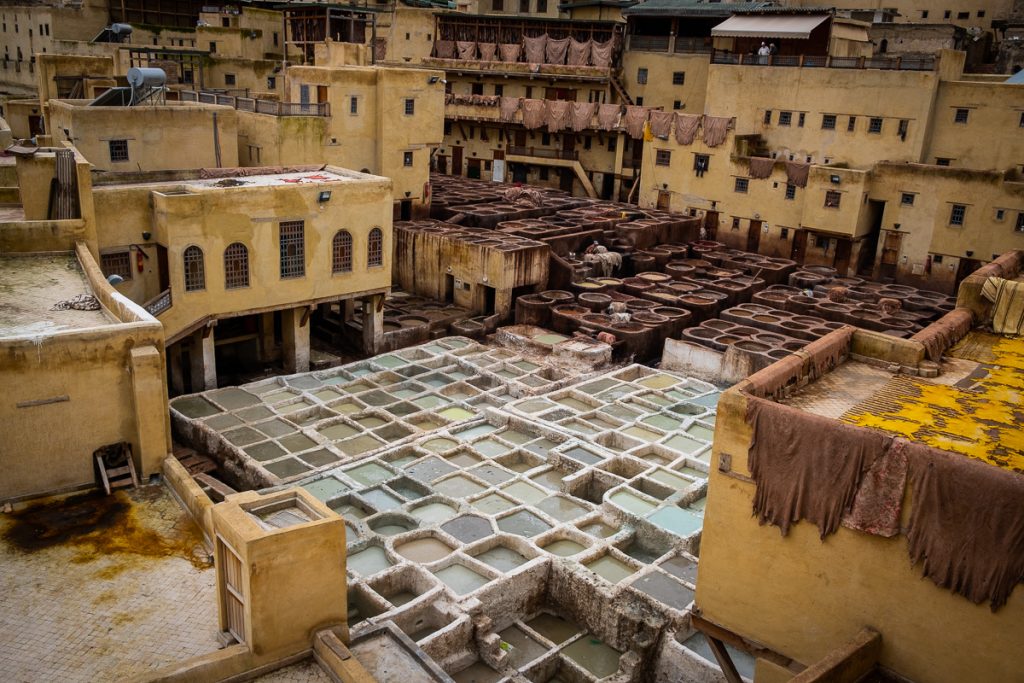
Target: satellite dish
[{"x": 115, "y": 279}]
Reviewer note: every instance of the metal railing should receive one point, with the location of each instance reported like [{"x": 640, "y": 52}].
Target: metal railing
[
  {"x": 885, "y": 63},
  {"x": 649, "y": 43},
  {"x": 544, "y": 153},
  {"x": 160, "y": 303},
  {"x": 272, "y": 107}
]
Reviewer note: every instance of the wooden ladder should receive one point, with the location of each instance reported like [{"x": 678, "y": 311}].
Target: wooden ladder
[{"x": 118, "y": 475}]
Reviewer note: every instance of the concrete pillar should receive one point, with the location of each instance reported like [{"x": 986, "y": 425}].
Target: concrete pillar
[
  {"x": 176, "y": 368},
  {"x": 203, "y": 360},
  {"x": 295, "y": 339},
  {"x": 348, "y": 309},
  {"x": 268, "y": 347},
  {"x": 373, "y": 323},
  {"x": 152, "y": 422},
  {"x": 620, "y": 150}
]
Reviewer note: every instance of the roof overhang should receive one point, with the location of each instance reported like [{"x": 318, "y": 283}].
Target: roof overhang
[{"x": 769, "y": 26}]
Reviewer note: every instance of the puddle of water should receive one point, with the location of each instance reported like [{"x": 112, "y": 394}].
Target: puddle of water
[
  {"x": 461, "y": 579},
  {"x": 541, "y": 447},
  {"x": 678, "y": 521},
  {"x": 357, "y": 387},
  {"x": 433, "y": 513},
  {"x": 255, "y": 414},
  {"x": 564, "y": 548},
  {"x": 294, "y": 407},
  {"x": 698, "y": 505},
  {"x": 502, "y": 558},
  {"x": 610, "y": 568},
  {"x": 406, "y": 491},
  {"x": 630, "y": 503},
  {"x": 492, "y": 504},
  {"x": 523, "y": 523},
  {"x": 350, "y": 511},
  {"x": 369, "y": 561},
  {"x": 594, "y": 656},
  {"x": 529, "y": 494},
  {"x": 534, "y": 406},
  {"x": 523, "y": 649},
  {"x": 458, "y": 486},
  {"x": 327, "y": 395},
  {"x": 554, "y": 628},
  {"x": 319, "y": 457},
  {"x": 691, "y": 472},
  {"x": 389, "y": 361},
  {"x": 424, "y": 550}
]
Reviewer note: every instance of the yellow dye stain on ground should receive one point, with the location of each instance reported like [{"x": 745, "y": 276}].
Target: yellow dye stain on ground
[{"x": 984, "y": 421}]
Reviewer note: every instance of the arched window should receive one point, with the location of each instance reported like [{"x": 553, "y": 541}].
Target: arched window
[
  {"x": 195, "y": 271},
  {"x": 375, "y": 248},
  {"x": 341, "y": 252},
  {"x": 236, "y": 266}
]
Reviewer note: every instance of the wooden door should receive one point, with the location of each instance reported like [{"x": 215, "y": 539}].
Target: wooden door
[
  {"x": 473, "y": 168},
  {"x": 754, "y": 236},
  {"x": 565, "y": 181},
  {"x": 799, "y": 246},
  {"x": 890, "y": 254},
  {"x": 321, "y": 93},
  {"x": 233, "y": 619},
  {"x": 163, "y": 271},
  {"x": 442, "y": 164},
  {"x": 711, "y": 224},
  {"x": 456, "y": 160},
  {"x": 568, "y": 145},
  {"x": 664, "y": 200},
  {"x": 520, "y": 138}
]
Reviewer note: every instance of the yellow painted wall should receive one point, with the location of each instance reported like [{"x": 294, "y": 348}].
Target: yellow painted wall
[
  {"x": 990, "y": 139},
  {"x": 166, "y": 137},
  {"x": 659, "y": 91},
  {"x": 804, "y": 597},
  {"x": 911, "y": 10}
]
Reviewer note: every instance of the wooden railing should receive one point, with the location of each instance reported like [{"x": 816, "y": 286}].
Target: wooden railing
[
  {"x": 543, "y": 153},
  {"x": 158, "y": 304},
  {"x": 272, "y": 107}
]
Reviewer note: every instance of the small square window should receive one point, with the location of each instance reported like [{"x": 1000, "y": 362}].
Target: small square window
[
  {"x": 641, "y": 76},
  {"x": 678, "y": 77},
  {"x": 828, "y": 121},
  {"x": 543, "y": 175},
  {"x": 499, "y": 89},
  {"x": 907, "y": 199},
  {"x": 784, "y": 234},
  {"x": 677, "y": 104},
  {"x": 785, "y": 118},
  {"x": 545, "y": 138},
  {"x": 981, "y": 14},
  {"x": 407, "y": 158},
  {"x": 118, "y": 263},
  {"x": 213, "y": 46},
  {"x": 832, "y": 199},
  {"x": 742, "y": 184},
  {"x": 768, "y": 117},
  {"x": 875, "y": 125},
  {"x": 524, "y": 6},
  {"x": 410, "y": 106},
  {"x": 956, "y": 214},
  {"x": 229, "y": 79},
  {"x": 947, "y": 14},
  {"x": 800, "y": 121},
  {"x": 961, "y": 115},
  {"x": 735, "y": 223},
  {"x": 790, "y": 191},
  {"x": 118, "y": 150},
  {"x": 271, "y": 82},
  {"x": 851, "y": 125},
  {"x": 663, "y": 157},
  {"x": 924, "y": 14},
  {"x": 587, "y": 142},
  {"x": 1000, "y": 214},
  {"x": 639, "y": 101},
  {"x": 1019, "y": 227},
  {"x": 942, "y": 161},
  {"x": 936, "y": 258},
  {"x": 963, "y": 15}
]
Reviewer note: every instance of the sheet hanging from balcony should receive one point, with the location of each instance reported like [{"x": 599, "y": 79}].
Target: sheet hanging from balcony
[
  {"x": 508, "y": 108},
  {"x": 608, "y": 116},
  {"x": 510, "y": 51},
  {"x": 557, "y": 114},
  {"x": 582, "y": 115},
  {"x": 445, "y": 49},
  {"x": 555, "y": 50},
  {"x": 634, "y": 122},
  {"x": 716, "y": 128},
  {"x": 535, "y": 48},
  {"x": 467, "y": 50},
  {"x": 533, "y": 113},
  {"x": 761, "y": 167},
  {"x": 579, "y": 53},
  {"x": 487, "y": 51},
  {"x": 661, "y": 124},
  {"x": 601, "y": 53},
  {"x": 796, "y": 173},
  {"x": 769, "y": 26},
  {"x": 686, "y": 128}
]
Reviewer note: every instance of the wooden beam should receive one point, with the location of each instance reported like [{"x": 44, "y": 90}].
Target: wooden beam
[
  {"x": 739, "y": 642},
  {"x": 724, "y": 660},
  {"x": 847, "y": 663}
]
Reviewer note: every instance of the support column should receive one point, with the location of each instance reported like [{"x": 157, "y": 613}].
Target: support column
[
  {"x": 348, "y": 309},
  {"x": 373, "y": 323},
  {"x": 152, "y": 422},
  {"x": 177, "y": 370},
  {"x": 295, "y": 337},
  {"x": 203, "y": 359},
  {"x": 268, "y": 347},
  {"x": 620, "y": 150}
]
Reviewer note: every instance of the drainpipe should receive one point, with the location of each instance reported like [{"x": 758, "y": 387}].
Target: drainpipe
[{"x": 216, "y": 140}]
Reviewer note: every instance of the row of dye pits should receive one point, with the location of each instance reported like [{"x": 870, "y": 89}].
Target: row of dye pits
[{"x": 291, "y": 426}]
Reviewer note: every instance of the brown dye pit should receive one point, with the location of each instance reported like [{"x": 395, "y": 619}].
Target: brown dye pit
[{"x": 96, "y": 526}]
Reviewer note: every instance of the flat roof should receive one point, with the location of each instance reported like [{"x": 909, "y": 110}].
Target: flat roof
[
  {"x": 972, "y": 408},
  {"x": 29, "y": 288},
  {"x": 272, "y": 179},
  {"x": 769, "y": 26}
]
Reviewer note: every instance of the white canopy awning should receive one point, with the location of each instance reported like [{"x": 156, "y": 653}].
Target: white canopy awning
[{"x": 769, "y": 26}]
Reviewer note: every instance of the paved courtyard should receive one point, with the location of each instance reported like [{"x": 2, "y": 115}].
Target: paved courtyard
[{"x": 100, "y": 589}]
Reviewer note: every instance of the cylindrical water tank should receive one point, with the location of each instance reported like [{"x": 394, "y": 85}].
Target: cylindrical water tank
[
  {"x": 121, "y": 29},
  {"x": 148, "y": 77}
]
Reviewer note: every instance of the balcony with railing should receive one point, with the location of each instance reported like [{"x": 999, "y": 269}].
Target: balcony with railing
[
  {"x": 543, "y": 152},
  {"x": 251, "y": 104},
  {"x": 158, "y": 304},
  {"x": 669, "y": 44},
  {"x": 826, "y": 61},
  {"x": 488, "y": 109}
]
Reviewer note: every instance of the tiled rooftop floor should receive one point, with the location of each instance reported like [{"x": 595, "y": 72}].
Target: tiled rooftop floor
[{"x": 108, "y": 601}]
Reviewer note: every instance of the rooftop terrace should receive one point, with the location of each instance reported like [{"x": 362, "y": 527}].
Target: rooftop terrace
[{"x": 29, "y": 288}]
